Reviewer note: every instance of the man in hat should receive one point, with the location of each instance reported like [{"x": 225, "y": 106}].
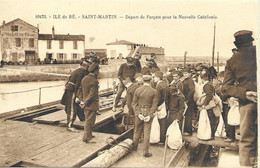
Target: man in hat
[
  {"x": 161, "y": 88},
  {"x": 90, "y": 101},
  {"x": 70, "y": 99},
  {"x": 176, "y": 80},
  {"x": 209, "y": 90},
  {"x": 175, "y": 105},
  {"x": 240, "y": 82},
  {"x": 93, "y": 57},
  {"x": 137, "y": 63},
  {"x": 126, "y": 70},
  {"x": 144, "y": 104},
  {"x": 188, "y": 92},
  {"x": 147, "y": 68}
]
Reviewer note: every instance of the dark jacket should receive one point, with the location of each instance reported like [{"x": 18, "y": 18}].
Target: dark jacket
[
  {"x": 145, "y": 97},
  {"x": 129, "y": 97},
  {"x": 175, "y": 103},
  {"x": 209, "y": 90},
  {"x": 188, "y": 89},
  {"x": 126, "y": 71},
  {"x": 137, "y": 65},
  {"x": 75, "y": 79},
  {"x": 90, "y": 86},
  {"x": 146, "y": 70},
  {"x": 161, "y": 88},
  {"x": 240, "y": 73}
]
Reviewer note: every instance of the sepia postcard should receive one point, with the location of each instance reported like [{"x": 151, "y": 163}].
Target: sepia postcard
[{"x": 83, "y": 82}]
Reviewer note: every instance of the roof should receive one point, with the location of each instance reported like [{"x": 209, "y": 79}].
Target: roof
[
  {"x": 18, "y": 19},
  {"x": 61, "y": 37},
  {"x": 121, "y": 42}
]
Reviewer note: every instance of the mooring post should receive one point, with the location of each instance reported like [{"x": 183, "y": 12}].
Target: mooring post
[{"x": 40, "y": 95}]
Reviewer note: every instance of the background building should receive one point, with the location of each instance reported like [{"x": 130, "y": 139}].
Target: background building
[
  {"x": 61, "y": 47},
  {"x": 119, "y": 49},
  {"x": 18, "y": 42}
]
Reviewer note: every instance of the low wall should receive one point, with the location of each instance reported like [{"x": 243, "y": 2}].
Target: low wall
[{"x": 11, "y": 73}]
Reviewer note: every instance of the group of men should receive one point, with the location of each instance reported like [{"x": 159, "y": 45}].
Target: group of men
[
  {"x": 149, "y": 91},
  {"x": 81, "y": 96}
]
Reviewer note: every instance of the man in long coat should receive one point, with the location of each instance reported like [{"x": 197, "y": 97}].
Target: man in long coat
[{"x": 240, "y": 82}]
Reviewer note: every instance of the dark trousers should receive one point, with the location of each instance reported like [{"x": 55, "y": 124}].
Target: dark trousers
[
  {"x": 248, "y": 134},
  {"x": 145, "y": 127},
  {"x": 90, "y": 118},
  {"x": 230, "y": 130},
  {"x": 162, "y": 123},
  {"x": 189, "y": 115},
  {"x": 213, "y": 122},
  {"x": 119, "y": 93},
  {"x": 70, "y": 107}
]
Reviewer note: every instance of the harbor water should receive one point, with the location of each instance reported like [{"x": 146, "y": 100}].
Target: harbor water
[{"x": 19, "y": 95}]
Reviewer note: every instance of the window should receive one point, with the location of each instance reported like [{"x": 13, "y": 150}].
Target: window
[
  {"x": 75, "y": 45},
  {"x": 60, "y": 56},
  {"x": 75, "y": 56},
  {"x": 31, "y": 42},
  {"x": 14, "y": 28},
  {"x": 61, "y": 44},
  {"x": 18, "y": 42},
  {"x": 48, "y": 44}
]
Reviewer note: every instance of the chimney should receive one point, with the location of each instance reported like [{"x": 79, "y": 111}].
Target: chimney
[
  {"x": 3, "y": 22},
  {"x": 38, "y": 27},
  {"x": 53, "y": 32}
]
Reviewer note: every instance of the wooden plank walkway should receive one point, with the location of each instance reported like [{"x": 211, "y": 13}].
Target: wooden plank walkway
[
  {"x": 45, "y": 145},
  {"x": 216, "y": 142},
  {"x": 60, "y": 117}
]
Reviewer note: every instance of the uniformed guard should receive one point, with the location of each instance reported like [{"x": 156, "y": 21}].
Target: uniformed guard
[
  {"x": 94, "y": 58},
  {"x": 125, "y": 70},
  {"x": 137, "y": 63},
  {"x": 70, "y": 99},
  {"x": 240, "y": 82},
  {"x": 188, "y": 92},
  {"x": 161, "y": 88},
  {"x": 145, "y": 104},
  {"x": 90, "y": 101}
]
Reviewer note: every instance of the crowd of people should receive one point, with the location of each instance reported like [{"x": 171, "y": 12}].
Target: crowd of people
[{"x": 173, "y": 95}]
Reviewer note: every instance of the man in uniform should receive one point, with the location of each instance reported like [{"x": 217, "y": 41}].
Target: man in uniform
[
  {"x": 240, "y": 82},
  {"x": 126, "y": 70},
  {"x": 69, "y": 98},
  {"x": 137, "y": 63},
  {"x": 188, "y": 92},
  {"x": 90, "y": 101},
  {"x": 145, "y": 104}
]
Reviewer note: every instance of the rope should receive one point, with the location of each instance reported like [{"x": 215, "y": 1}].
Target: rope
[{"x": 31, "y": 89}]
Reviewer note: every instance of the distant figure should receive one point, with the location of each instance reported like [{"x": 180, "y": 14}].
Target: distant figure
[
  {"x": 145, "y": 104},
  {"x": 240, "y": 82},
  {"x": 90, "y": 101},
  {"x": 2, "y": 63},
  {"x": 137, "y": 63}
]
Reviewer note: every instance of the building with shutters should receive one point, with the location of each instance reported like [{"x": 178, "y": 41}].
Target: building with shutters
[
  {"x": 18, "y": 42},
  {"x": 61, "y": 47}
]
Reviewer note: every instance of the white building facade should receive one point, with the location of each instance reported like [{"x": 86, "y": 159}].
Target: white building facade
[
  {"x": 119, "y": 49},
  {"x": 61, "y": 47}
]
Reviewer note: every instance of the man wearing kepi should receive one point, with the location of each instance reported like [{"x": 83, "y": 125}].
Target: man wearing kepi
[
  {"x": 145, "y": 104},
  {"x": 240, "y": 82},
  {"x": 90, "y": 101},
  {"x": 69, "y": 98}
]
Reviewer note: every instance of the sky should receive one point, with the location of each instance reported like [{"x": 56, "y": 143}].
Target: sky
[{"x": 175, "y": 35}]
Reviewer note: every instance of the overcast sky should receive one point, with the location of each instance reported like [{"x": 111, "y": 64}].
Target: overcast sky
[{"x": 175, "y": 35}]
